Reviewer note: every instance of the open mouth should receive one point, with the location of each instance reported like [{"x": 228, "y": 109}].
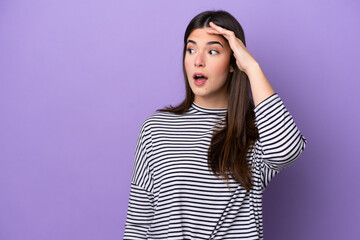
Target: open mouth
[
  {"x": 199, "y": 76},
  {"x": 199, "y": 79}
]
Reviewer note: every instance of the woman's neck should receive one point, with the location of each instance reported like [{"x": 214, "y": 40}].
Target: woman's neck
[{"x": 211, "y": 102}]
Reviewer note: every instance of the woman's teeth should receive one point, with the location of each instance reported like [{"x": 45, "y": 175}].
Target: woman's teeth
[{"x": 199, "y": 76}]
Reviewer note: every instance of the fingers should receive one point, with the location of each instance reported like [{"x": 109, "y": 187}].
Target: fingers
[
  {"x": 213, "y": 31},
  {"x": 219, "y": 30}
]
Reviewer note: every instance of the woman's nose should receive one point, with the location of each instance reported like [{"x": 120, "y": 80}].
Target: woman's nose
[{"x": 199, "y": 60}]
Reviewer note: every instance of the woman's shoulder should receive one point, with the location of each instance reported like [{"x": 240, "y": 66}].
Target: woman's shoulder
[{"x": 161, "y": 118}]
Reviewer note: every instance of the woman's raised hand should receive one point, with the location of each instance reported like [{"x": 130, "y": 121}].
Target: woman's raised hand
[
  {"x": 243, "y": 57},
  {"x": 260, "y": 86}
]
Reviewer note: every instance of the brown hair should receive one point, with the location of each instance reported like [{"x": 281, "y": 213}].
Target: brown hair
[{"x": 227, "y": 154}]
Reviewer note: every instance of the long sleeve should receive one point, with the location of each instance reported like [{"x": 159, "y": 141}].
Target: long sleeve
[
  {"x": 280, "y": 141},
  {"x": 141, "y": 200}
]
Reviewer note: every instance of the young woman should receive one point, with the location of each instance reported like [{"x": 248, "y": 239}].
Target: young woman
[{"x": 201, "y": 167}]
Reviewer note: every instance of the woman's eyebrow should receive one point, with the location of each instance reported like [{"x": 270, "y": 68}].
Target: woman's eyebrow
[{"x": 208, "y": 43}]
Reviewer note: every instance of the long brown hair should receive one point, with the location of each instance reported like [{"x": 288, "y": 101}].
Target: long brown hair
[{"x": 227, "y": 154}]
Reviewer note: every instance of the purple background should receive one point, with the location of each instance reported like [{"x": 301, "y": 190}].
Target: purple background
[{"x": 77, "y": 79}]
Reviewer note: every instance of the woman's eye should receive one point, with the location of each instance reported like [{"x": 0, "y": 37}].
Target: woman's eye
[
  {"x": 213, "y": 52},
  {"x": 190, "y": 50}
]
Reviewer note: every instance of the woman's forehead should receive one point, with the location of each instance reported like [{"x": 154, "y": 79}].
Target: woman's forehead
[{"x": 200, "y": 36}]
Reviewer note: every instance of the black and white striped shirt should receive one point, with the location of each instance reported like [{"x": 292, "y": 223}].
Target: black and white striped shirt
[{"x": 173, "y": 193}]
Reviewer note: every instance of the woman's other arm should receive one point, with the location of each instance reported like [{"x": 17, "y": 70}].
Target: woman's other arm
[{"x": 141, "y": 200}]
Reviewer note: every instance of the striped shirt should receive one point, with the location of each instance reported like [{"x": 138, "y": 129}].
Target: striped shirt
[{"x": 173, "y": 193}]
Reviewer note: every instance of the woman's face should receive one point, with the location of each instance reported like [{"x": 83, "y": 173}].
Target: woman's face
[{"x": 207, "y": 65}]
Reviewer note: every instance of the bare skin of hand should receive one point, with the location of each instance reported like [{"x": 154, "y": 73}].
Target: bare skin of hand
[
  {"x": 244, "y": 59},
  {"x": 260, "y": 86}
]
